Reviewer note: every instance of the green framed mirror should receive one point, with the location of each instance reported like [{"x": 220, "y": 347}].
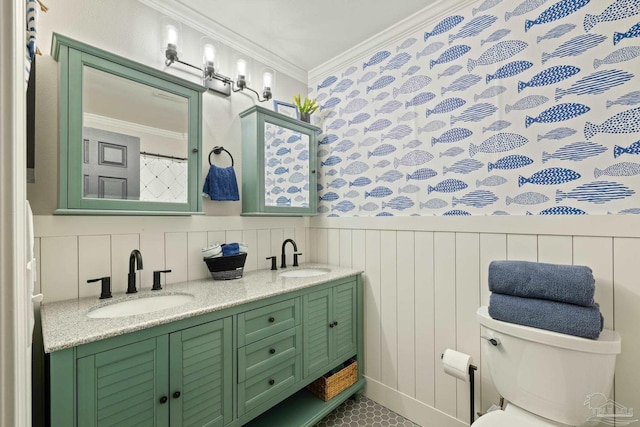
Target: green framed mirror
[{"x": 130, "y": 136}]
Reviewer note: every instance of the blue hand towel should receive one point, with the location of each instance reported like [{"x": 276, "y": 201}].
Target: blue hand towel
[
  {"x": 586, "y": 322},
  {"x": 573, "y": 284},
  {"x": 230, "y": 249},
  {"x": 221, "y": 184}
]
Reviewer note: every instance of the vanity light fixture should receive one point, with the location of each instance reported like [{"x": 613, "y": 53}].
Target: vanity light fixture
[{"x": 171, "y": 45}]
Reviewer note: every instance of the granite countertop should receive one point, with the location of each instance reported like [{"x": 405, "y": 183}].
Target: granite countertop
[{"x": 65, "y": 323}]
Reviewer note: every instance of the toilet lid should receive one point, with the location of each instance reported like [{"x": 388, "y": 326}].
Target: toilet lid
[{"x": 503, "y": 419}]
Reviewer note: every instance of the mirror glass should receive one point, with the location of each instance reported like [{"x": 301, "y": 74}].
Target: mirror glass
[
  {"x": 135, "y": 140},
  {"x": 286, "y": 167}
]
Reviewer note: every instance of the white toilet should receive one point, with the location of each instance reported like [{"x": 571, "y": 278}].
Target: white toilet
[{"x": 547, "y": 378}]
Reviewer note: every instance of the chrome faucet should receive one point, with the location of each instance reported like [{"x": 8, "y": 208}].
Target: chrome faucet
[
  {"x": 135, "y": 261},
  {"x": 295, "y": 255}
]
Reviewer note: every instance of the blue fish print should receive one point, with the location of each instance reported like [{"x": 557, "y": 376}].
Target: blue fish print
[
  {"x": 631, "y": 33},
  {"x": 353, "y": 94},
  {"x": 618, "y": 169},
  {"x": 376, "y": 59},
  {"x": 474, "y": 27},
  {"x": 550, "y": 176},
  {"x": 399, "y": 203},
  {"x": 321, "y": 97},
  {"x": 413, "y": 158},
  {"x": 526, "y": 103},
  {"x": 624, "y": 122},
  {"x": 369, "y": 207},
  {"x": 621, "y": 55},
  {"x": 331, "y": 161},
  {"x": 557, "y": 32},
  {"x": 360, "y": 118},
  {"x": 419, "y": 99},
  {"x": 398, "y": 132},
  {"x": 632, "y": 149},
  {"x": 273, "y": 162},
  {"x": 378, "y": 125},
  {"x": 329, "y": 197},
  {"x": 384, "y": 214},
  {"x": 329, "y": 139},
  {"x": 289, "y": 160},
  {"x": 282, "y": 151},
  {"x": 408, "y": 116},
  {"x": 491, "y": 181},
  {"x": 498, "y": 143},
  {"x": 341, "y": 87},
  {"x": 450, "y": 54},
  {"x": 495, "y": 36},
  {"x": 380, "y": 83},
  {"x": 389, "y": 107},
  {"x": 337, "y": 183},
  {"x": 450, "y": 71},
  {"x": 367, "y": 76},
  {"x": 452, "y": 135},
  {"x": 323, "y": 209},
  {"x": 327, "y": 82},
  {"x": 456, "y": 212},
  {"x": 631, "y": 98},
  {"x": 382, "y": 164},
  {"x": 475, "y": 113},
  {"x": 283, "y": 201},
  {"x": 486, "y": 5},
  {"x": 617, "y": 10},
  {"x": 378, "y": 192},
  {"x": 497, "y": 53},
  {"x": 407, "y": 43},
  {"x": 509, "y": 70},
  {"x": 349, "y": 71},
  {"x": 412, "y": 144},
  {"x": 382, "y": 150},
  {"x": 294, "y": 189},
  {"x": 330, "y": 115},
  {"x": 528, "y": 198},
  {"x": 490, "y": 92},
  {"x": 558, "y": 11},
  {"x": 557, "y": 134},
  {"x": 462, "y": 83},
  {"x": 277, "y": 190},
  {"x": 631, "y": 211},
  {"x": 429, "y": 49},
  {"x": 336, "y": 124},
  {"x": 409, "y": 189},
  {"x": 575, "y": 152},
  {"x": 304, "y": 155},
  {"x": 330, "y": 172},
  {"x": 294, "y": 138},
  {"x": 421, "y": 174},
  {"x": 446, "y": 106},
  {"x": 343, "y": 206},
  {"x": 412, "y": 85},
  {"x": 513, "y": 161},
  {"x": 389, "y": 176},
  {"x": 343, "y": 146},
  {"x": 596, "y": 83},
  {"x": 463, "y": 166},
  {"x": 367, "y": 142},
  {"x": 558, "y": 113},
  {"x": 411, "y": 71},
  {"x": 550, "y": 76},
  {"x": 562, "y": 210},
  {"x": 434, "y": 204},
  {"x": 476, "y": 199},
  {"x": 432, "y": 126},
  {"x": 597, "y": 192},
  {"x": 575, "y": 47},
  {"x": 354, "y": 106},
  {"x": 497, "y": 126},
  {"x": 447, "y": 186},
  {"x": 355, "y": 168},
  {"x": 452, "y": 152},
  {"x": 524, "y": 7},
  {"x": 331, "y": 102},
  {"x": 351, "y": 194},
  {"x": 297, "y": 177},
  {"x": 360, "y": 182},
  {"x": 396, "y": 62},
  {"x": 500, "y": 213},
  {"x": 447, "y": 24}
]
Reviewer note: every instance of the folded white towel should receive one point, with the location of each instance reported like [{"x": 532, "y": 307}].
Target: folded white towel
[{"x": 212, "y": 251}]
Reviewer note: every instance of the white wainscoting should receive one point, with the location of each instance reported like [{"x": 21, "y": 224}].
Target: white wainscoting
[{"x": 423, "y": 287}]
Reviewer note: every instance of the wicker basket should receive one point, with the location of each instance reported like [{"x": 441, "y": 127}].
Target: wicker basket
[
  {"x": 226, "y": 267},
  {"x": 328, "y": 386}
]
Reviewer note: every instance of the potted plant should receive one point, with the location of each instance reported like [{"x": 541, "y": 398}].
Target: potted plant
[{"x": 305, "y": 108}]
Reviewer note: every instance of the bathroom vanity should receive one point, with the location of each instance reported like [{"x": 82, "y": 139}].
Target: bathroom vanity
[{"x": 225, "y": 357}]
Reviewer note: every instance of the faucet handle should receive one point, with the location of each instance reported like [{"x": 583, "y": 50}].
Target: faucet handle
[
  {"x": 295, "y": 258},
  {"x": 273, "y": 262},
  {"x": 156, "y": 279},
  {"x": 106, "y": 286}
]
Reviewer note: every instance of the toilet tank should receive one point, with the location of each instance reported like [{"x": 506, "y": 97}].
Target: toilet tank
[{"x": 547, "y": 373}]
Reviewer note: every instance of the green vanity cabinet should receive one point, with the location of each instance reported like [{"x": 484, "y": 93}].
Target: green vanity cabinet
[{"x": 279, "y": 164}]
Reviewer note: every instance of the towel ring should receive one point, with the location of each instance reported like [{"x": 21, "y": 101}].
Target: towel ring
[{"x": 217, "y": 150}]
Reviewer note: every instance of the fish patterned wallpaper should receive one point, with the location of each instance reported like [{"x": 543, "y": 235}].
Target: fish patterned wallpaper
[{"x": 504, "y": 108}]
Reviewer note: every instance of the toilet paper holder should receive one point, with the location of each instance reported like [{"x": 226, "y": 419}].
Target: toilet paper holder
[{"x": 472, "y": 370}]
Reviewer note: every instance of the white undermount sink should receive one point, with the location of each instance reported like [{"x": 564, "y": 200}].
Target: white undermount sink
[
  {"x": 305, "y": 272},
  {"x": 141, "y": 305}
]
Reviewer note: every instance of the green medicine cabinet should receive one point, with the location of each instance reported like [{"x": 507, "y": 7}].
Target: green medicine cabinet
[
  {"x": 129, "y": 135},
  {"x": 279, "y": 164}
]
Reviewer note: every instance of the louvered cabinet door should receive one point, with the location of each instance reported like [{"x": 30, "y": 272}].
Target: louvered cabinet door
[
  {"x": 123, "y": 387},
  {"x": 344, "y": 317},
  {"x": 317, "y": 342},
  {"x": 201, "y": 374}
]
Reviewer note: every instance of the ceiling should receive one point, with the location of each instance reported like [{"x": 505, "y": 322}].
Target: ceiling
[{"x": 306, "y": 33}]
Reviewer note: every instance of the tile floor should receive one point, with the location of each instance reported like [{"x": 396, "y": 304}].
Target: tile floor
[{"x": 364, "y": 412}]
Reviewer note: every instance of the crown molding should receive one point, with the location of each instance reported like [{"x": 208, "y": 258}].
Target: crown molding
[
  {"x": 179, "y": 11},
  {"x": 394, "y": 33},
  {"x": 110, "y": 123}
]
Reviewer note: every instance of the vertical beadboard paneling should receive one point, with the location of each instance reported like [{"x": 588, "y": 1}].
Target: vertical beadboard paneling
[
  {"x": 467, "y": 303},
  {"x": 94, "y": 261},
  {"x": 372, "y": 332},
  {"x": 424, "y": 318},
  {"x": 176, "y": 257},
  {"x": 445, "y": 317},
  {"x": 59, "y": 268},
  {"x": 312, "y": 245},
  {"x": 333, "y": 246},
  {"x": 358, "y": 250},
  {"x": 597, "y": 253},
  {"x": 300, "y": 236},
  {"x": 322, "y": 235},
  {"x": 152, "y": 248},
  {"x": 405, "y": 257},
  {"x": 264, "y": 249},
  {"x": 250, "y": 237},
  {"x": 121, "y": 247},
  {"x": 555, "y": 249},
  {"x": 277, "y": 238},
  {"x": 522, "y": 247},
  {"x": 388, "y": 309},
  {"x": 216, "y": 238},
  {"x": 345, "y": 248},
  {"x": 37, "y": 287},
  {"x": 196, "y": 267},
  {"x": 234, "y": 236},
  {"x": 626, "y": 288}
]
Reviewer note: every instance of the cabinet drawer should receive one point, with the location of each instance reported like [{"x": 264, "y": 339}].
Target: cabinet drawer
[
  {"x": 269, "y": 352},
  {"x": 268, "y": 384},
  {"x": 262, "y": 322}
]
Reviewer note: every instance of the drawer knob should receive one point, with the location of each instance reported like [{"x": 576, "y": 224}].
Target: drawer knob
[
  {"x": 176, "y": 395},
  {"x": 163, "y": 400},
  {"x": 272, "y": 351},
  {"x": 335, "y": 323},
  {"x": 272, "y": 382},
  {"x": 272, "y": 319},
  {"x": 331, "y": 325}
]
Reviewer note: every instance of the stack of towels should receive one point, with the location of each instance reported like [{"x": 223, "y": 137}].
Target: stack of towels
[
  {"x": 224, "y": 249},
  {"x": 554, "y": 297}
]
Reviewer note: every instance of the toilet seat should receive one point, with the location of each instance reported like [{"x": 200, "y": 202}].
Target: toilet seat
[{"x": 508, "y": 419}]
